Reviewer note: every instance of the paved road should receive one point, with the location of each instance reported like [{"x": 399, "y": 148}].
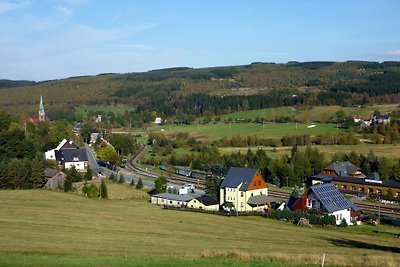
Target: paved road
[{"x": 96, "y": 168}]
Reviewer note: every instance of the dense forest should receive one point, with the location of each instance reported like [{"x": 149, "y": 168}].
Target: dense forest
[{"x": 180, "y": 92}]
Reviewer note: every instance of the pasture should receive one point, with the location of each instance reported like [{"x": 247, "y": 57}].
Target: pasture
[
  {"x": 216, "y": 131},
  {"x": 46, "y": 228},
  {"x": 267, "y": 114}
]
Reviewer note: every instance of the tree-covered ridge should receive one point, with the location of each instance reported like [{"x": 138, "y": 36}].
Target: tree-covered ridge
[
  {"x": 10, "y": 83},
  {"x": 165, "y": 90}
]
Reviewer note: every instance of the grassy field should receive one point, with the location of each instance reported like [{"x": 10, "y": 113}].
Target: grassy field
[
  {"x": 267, "y": 113},
  {"x": 391, "y": 152},
  {"x": 212, "y": 131},
  {"x": 82, "y": 111},
  {"x": 323, "y": 113},
  {"x": 46, "y": 228}
]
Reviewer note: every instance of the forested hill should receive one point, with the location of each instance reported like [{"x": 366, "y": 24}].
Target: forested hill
[{"x": 214, "y": 90}]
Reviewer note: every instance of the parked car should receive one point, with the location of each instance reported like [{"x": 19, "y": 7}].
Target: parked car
[{"x": 189, "y": 187}]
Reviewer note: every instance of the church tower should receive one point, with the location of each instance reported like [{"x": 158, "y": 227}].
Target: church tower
[{"x": 42, "y": 113}]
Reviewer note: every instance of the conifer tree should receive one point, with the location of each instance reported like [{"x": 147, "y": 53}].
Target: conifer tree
[
  {"x": 139, "y": 184},
  {"x": 103, "y": 189}
]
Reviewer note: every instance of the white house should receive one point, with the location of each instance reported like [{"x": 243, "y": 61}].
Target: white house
[
  {"x": 158, "y": 120},
  {"x": 326, "y": 198},
  {"x": 73, "y": 157}
]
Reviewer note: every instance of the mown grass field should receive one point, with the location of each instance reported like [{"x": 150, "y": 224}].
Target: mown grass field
[
  {"x": 211, "y": 131},
  {"x": 267, "y": 113},
  {"x": 323, "y": 113},
  {"x": 46, "y": 228}
]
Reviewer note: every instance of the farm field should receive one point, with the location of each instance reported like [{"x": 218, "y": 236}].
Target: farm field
[
  {"x": 212, "y": 131},
  {"x": 267, "y": 113},
  {"x": 323, "y": 113},
  {"x": 392, "y": 152},
  {"x": 46, "y": 228}
]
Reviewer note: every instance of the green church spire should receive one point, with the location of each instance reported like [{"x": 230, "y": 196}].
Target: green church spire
[{"x": 42, "y": 113}]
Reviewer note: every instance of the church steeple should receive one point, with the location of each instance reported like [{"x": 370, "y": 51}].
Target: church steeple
[{"x": 42, "y": 113}]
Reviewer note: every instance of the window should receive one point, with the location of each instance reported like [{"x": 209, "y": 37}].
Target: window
[
  {"x": 361, "y": 189},
  {"x": 370, "y": 190},
  {"x": 379, "y": 191},
  {"x": 255, "y": 183},
  {"x": 340, "y": 216},
  {"x": 353, "y": 188},
  {"x": 241, "y": 204},
  {"x": 259, "y": 182},
  {"x": 241, "y": 194},
  {"x": 260, "y": 192},
  {"x": 170, "y": 202},
  {"x": 344, "y": 187}
]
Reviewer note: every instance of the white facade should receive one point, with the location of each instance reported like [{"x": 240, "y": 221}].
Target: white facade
[
  {"x": 79, "y": 165},
  {"x": 314, "y": 203}
]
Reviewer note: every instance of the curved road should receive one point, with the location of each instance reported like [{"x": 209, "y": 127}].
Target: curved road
[{"x": 96, "y": 168}]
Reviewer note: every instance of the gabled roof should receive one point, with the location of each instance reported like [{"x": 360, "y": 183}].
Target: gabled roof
[
  {"x": 343, "y": 168},
  {"x": 207, "y": 200},
  {"x": 183, "y": 198},
  {"x": 48, "y": 173},
  {"x": 330, "y": 197},
  {"x": 237, "y": 176},
  {"x": 332, "y": 178},
  {"x": 68, "y": 155}
]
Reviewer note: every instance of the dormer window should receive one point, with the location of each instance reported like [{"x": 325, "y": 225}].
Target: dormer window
[{"x": 75, "y": 158}]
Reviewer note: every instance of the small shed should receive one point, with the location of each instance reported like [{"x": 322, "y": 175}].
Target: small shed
[{"x": 54, "y": 178}]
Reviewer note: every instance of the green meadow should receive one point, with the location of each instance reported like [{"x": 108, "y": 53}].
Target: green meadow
[
  {"x": 46, "y": 228},
  {"x": 213, "y": 131}
]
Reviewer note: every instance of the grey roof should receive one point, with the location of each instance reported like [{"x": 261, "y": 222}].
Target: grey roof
[
  {"x": 236, "y": 176},
  {"x": 68, "y": 155},
  {"x": 207, "y": 200},
  {"x": 48, "y": 173},
  {"x": 260, "y": 200},
  {"x": 330, "y": 197},
  {"x": 176, "y": 197},
  {"x": 343, "y": 168}
]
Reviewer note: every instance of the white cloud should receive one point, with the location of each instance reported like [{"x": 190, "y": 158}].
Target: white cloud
[
  {"x": 393, "y": 53},
  {"x": 63, "y": 10},
  {"x": 6, "y": 6}
]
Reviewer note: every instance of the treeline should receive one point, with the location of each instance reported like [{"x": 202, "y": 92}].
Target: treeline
[
  {"x": 10, "y": 83},
  {"x": 21, "y": 164},
  {"x": 347, "y": 138}
]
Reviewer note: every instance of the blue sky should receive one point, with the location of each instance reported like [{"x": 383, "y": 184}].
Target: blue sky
[{"x": 52, "y": 39}]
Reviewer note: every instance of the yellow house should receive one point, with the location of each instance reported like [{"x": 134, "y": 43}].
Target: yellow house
[
  {"x": 204, "y": 202},
  {"x": 244, "y": 189}
]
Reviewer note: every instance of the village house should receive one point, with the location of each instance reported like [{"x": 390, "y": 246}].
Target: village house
[
  {"x": 245, "y": 190},
  {"x": 204, "y": 202},
  {"x": 343, "y": 169},
  {"x": 382, "y": 119},
  {"x": 73, "y": 157},
  {"x": 54, "y": 178},
  {"x": 326, "y": 198},
  {"x": 173, "y": 200}
]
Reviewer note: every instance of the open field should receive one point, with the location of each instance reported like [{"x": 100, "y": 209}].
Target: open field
[
  {"x": 212, "y": 131},
  {"x": 323, "y": 113},
  {"x": 266, "y": 113},
  {"x": 391, "y": 152},
  {"x": 46, "y": 228}
]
